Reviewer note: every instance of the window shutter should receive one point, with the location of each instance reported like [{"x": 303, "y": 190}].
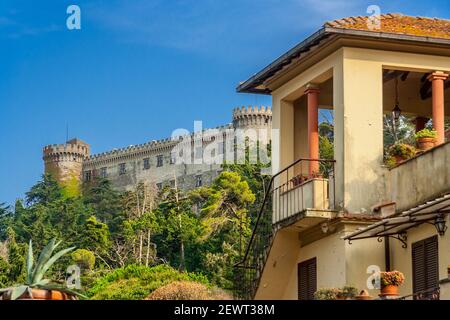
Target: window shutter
[
  {"x": 425, "y": 264},
  {"x": 307, "y": 279}
]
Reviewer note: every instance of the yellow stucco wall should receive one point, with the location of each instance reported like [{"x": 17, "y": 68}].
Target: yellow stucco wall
[
  {"x": 401, "y": 258},
  {"x": 358, "y": 105}
]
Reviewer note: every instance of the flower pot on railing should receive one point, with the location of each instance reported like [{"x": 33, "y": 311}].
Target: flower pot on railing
[
  {"x": 425, "y": 143},
  {"x": 389, "y": 291},
  {"x": 390, "y": 281},
  {"x": 401, "y": 152},
  {"x": 425, "y": 139}
]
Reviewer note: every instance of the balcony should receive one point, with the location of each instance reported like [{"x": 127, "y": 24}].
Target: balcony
[
  {"x": 295, "y": 198},
  {"x": 421, "y": 178}
]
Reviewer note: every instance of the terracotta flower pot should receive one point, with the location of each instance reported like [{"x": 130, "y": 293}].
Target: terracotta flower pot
[
  {"x": 389, "y": 290},
  {"x": 39, "y": 294},
  {"x": 425, "y": 143},
  {"x": 364, "y": 295}
]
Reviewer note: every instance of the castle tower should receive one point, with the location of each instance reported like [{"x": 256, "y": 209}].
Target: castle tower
[
  {"x": 258, "y": 118},
  {"x": 65, "y": 162}
]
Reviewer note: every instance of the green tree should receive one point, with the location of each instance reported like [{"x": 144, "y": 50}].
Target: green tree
[
  {"x": 94, "y": 236},
  {"x": 105, "y": 202},
  {"x": 226, "y": 225},
  {"x": 45, "y": 191}
]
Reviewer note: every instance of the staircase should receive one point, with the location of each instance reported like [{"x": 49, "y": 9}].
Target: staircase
[{"x": 283, "y": 194}]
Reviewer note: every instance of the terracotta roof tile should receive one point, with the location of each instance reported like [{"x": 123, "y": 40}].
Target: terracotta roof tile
[{"x": 399, "y": 24}]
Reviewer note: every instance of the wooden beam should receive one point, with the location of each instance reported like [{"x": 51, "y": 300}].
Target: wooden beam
[{"x": 425, "y": 91}]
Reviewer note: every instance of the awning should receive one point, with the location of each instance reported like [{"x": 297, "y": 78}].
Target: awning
[{"x": 397, "y": 226}]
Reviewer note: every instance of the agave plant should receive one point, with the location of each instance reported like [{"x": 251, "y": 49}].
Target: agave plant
[{"x": 36, "y": 272}]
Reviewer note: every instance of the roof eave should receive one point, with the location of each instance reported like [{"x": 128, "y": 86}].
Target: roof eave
[{"x": 251, "y": 85}]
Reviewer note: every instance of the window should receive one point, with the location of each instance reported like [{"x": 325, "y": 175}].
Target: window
[
  {"x": 425, "y": 265},
  {"x": 172, "y": 183},
  {"x": 122, "y": 169},
  {"x": 198, "y": 181},
  {"x": 221, "y": 147},
  {"x": 103, "y": 172},
  {"x": 159, "y": 160},
  {"x": 146, "y": 163},
  {"x": 199, "y": 153},
  {"x": 159, "y": 186},
  {"x": 307, "y": 279},
  {"x": 87, "y": 176},
  {"x": 173, "y": 158}
]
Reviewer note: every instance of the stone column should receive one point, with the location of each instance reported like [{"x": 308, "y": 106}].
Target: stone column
[
  {"x": 312, "y": 93},
  {"x": 437, "y": 79}
]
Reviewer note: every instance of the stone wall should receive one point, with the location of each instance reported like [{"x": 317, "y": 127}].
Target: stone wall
[{"x": 126, "y": 167}]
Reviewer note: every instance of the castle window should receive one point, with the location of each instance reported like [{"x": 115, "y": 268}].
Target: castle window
[
  {"x": 122, "y": 168},
  {"x": 172, "y": 183},
  {"x": 146, "y": 163},
  {"x": 159, "y": 160},
  {"x": 173, "y": 158},
  {"x": 159, "y": 186},
  {"x": 103, "y": 172},
  {"x": 87, "y": 176},
  {"x": 198, "y": 181},
  {"x": 222, "y": 147},
  {"x": 199, "y": 153}
]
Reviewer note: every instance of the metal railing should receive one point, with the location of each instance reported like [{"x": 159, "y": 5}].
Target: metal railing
[
  {"x": 290, "y": 192},
  {"x": 429, "y": 294}
]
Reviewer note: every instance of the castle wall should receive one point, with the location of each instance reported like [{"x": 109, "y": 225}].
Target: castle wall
[{"x": 127, "y": 167}]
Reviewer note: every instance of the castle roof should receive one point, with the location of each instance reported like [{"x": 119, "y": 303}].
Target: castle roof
[{"x": 393, "y": 27}]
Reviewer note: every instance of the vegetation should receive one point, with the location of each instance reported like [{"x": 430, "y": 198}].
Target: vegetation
[
  {"x": 426, "y": 133},
  {"x": 346, "y": 292},
  {"x": 393, "y": 278},
  {"x": 402, "y": 150},
  {"x": 131, "y": 243},
  {"x": 135, "y": 282},
  {"x": 188, "y": 290},
  {"x": 36, "y": 270},
  {"x": 327, "y": 294}
]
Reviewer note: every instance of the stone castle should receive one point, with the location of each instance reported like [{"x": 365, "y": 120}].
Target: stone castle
[{"x": 152, "y": 162}]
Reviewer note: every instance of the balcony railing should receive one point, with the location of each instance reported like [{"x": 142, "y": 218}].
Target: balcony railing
[
  {"x": 429, "y": 294},
  {"x": 291, "y": 191}
]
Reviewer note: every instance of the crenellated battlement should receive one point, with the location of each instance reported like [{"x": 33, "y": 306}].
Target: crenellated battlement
[
  {"x": 252, "y": 117},
  {"x": 155, "y": 145},
  {"x": 252, "y": 111},
  {"x": 61, "y": 149}
]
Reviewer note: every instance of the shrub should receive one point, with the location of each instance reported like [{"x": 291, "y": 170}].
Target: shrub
[
  {"x": 84, "y": 258},
  {"x": 349, "y": 292},
  {"x": 137, "y": 282},
  {"x": 393, "y": 278},
  {"x": 403, "y": 150},
  {"x": 327, "y": 294},
  {"x": 188, "y": 290},
  {"x": 426, "y": 133}
]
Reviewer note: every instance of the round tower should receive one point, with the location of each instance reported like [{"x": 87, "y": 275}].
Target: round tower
[
  {"x": 255, "y": 118},
  {"x": 65, "y": 161}
]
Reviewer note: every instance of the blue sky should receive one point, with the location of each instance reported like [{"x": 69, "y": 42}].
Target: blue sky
[{"x": 139, "y": 68}]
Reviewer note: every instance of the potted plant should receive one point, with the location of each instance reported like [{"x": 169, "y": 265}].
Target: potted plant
[
  {"x": 401, "y": 152},
  {"x": 426, "y": 139},
  {"x": 390, "y": 281},
  {"x": 35, "y": 286},
  {"x": 328, "y": 294},
  {"x": 349, "y": 292}
]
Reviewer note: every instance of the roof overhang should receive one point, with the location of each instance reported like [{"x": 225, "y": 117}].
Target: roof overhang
[
  {"x": 256, "y": 84},
  {"x": 399, "y": 224}
]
